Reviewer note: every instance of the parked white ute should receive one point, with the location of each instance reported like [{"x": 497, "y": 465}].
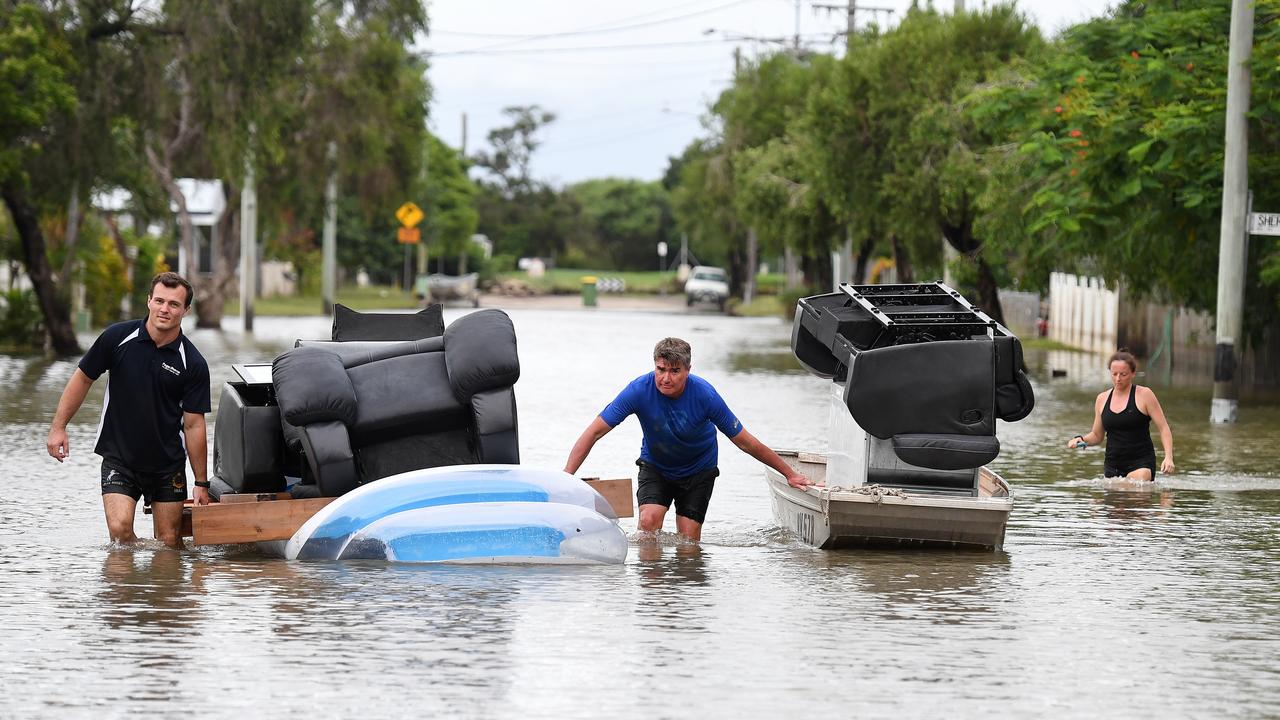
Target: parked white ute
[{"x": 707, "y": 284}]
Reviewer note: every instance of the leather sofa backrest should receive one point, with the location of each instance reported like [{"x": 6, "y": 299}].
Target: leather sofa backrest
[{"x": 943, "y": 387}]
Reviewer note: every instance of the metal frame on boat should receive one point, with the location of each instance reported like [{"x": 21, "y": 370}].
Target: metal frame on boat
[{"x": 920, "y": 377}]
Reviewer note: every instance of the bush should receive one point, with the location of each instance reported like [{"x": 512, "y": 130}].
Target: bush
[
  {"x": 149, "y": 263},
  {"x": 20, "y": 321},
  {"x": 789, "y": 298},
  {"x": 105, "y": 283}
]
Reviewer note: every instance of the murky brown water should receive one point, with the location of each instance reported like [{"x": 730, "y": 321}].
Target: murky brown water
[{"x": 1151, "y": 603}]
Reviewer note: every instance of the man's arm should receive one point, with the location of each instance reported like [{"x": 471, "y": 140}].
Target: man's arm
[
  {"x": 596, "y": 430},
  {"x": 72, "y": 398},
  {"x": 758, "y": 450},
  {"x": 193, "y": 430}
]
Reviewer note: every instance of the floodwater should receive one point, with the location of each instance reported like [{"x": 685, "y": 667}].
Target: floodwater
[{"x": 1114, "y": 601}]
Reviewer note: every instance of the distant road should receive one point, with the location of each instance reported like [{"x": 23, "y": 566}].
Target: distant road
[{"x": 673, "y": 303}]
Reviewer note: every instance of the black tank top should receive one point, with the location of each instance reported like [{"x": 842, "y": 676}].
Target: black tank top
[{"x": 1128, "y": 431}]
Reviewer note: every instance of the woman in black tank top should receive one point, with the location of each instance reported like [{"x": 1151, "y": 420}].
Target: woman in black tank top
[{"x": 1123, "y": 415}]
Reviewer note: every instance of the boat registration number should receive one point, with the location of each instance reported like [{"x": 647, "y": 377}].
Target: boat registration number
[{"x": 804, "y": 526}]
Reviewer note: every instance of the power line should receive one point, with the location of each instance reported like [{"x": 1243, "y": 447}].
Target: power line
[
  {"x": 517, "y": 39},
  {"x": 584, "y": 48},
  {"x": 611, "y": 48}
]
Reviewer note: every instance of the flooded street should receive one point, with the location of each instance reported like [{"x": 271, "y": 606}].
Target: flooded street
[{"x": 1107, "y": 600}]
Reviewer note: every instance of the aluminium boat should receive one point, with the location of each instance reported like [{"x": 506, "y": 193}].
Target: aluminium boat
[{"x": 919, "y": 378}]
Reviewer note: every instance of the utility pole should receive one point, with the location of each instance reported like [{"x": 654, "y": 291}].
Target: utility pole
[
  {"x": 749, "y": 283},
  {"x": 248, "y": 236},
  {"x": 851, "y": 12},
  {"x": 464, "y": 135},
  {"x": 426, "y": 178},
  {"x": 842, "y": 259},
  {"x": 795, "y": 43},
  {"x": 329, "y": 245},
  {"x": 1232, "y": 238}
]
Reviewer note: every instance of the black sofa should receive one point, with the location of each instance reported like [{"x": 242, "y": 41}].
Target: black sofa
[{"x": 338, "y": 414}]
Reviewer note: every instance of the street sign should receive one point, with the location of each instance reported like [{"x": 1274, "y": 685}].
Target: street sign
[
  {"x": 408, "y": 236},
  {"x": 1264, "y": 224},
  {"x": 409, "y": 215}
]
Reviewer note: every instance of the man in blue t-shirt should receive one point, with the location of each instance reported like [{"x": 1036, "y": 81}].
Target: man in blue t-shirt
[
  {"x": 679, "y": 414},
  {"x": 152, "y": 414}
]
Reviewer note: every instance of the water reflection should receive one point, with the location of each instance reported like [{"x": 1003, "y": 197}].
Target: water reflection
[
  {"x": 667, "y": 558},
  {"x": 155, "y": 589},
  {"x": 1126, "y": 500},
  {"x": 1089, "y": 571},
  {"x": 919, "y": 577},
  {"x": 674, "y": 590}
]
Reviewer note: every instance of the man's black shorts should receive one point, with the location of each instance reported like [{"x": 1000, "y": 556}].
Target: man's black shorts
[
  {"x": 155, "y": 487},
  {"x": 692, "y": 494}
]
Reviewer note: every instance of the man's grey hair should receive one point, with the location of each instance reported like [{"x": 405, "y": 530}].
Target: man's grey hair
[{"x": 674, "y": 351}]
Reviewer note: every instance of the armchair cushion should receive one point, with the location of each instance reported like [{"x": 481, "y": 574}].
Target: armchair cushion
[{"x": 312, "y": 387}]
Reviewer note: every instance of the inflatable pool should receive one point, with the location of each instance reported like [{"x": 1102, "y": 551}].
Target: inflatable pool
[{"x": 466, "y": 514}]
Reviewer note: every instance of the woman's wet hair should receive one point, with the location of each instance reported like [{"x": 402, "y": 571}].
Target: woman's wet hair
[
  {"x": 1126, "y": 357},
  {"x": 674, "y": 351}
]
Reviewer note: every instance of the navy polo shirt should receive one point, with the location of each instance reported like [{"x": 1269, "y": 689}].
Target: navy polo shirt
[{"x": 148, "y": 390}]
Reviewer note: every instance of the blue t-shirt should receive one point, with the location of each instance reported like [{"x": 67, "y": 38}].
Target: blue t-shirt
[
  {"x": 148, "y": 390},
  {"x": 679, "y": 434}
]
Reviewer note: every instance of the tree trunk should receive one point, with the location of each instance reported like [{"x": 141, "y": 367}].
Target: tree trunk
[
  {"x": 737, "y": 263},
  {"x": 817, "y": 270},
  {"x": 860, "y": 262},
  {"x": 988, "y": 293},
  {"x": 57, "y": 316},
  {"x": 218, "y": 286},
  {"x": 902, "y": 260},
  {"x": 961, "y": 238}
]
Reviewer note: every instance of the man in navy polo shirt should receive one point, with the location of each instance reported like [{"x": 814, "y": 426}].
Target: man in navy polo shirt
[
  {"x": 157, "y": 396},
  {"x": 679, "y": 414}
]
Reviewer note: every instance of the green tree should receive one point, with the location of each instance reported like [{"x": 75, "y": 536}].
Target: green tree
[
  {"x": 886, "y": 148},
  {"x": 522, "y": 215},
  {"x": 766, "y": 97},
  {"x": 627, "y": 220},
  {"x": 1115, "y": 164},
  {"x": 450, "y": 200},
  {"x": 36, "y": 85}
]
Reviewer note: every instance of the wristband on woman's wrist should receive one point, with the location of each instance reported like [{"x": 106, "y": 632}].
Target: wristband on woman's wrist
[
  {"x": 1081, "y": 439},
  {"x": 202, "y": 483}
]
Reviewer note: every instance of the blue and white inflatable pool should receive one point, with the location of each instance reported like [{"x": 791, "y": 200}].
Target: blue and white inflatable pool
[{"x": 466, "y": 514}]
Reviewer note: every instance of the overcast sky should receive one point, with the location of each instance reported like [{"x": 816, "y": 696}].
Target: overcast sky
[{"x": 628, "y": 81}]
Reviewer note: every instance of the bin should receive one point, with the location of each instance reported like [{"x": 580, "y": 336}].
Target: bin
[{"x": 588, "y": 290}]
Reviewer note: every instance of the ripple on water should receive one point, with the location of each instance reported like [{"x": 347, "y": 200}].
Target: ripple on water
[{"x": 1108, "y": 600}]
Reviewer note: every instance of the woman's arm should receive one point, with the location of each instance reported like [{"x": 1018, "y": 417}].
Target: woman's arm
[
  {"x": 1096, "y": 433},
  {"x": 1156, "y": 413}
]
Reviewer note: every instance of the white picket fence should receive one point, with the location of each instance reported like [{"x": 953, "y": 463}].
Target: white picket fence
[{"x": 1083, "y": 312}]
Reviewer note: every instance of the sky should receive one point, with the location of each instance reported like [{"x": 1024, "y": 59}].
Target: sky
[{"x": 629, "y": 83}]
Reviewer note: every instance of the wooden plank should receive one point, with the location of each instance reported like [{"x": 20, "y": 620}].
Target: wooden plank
[
  {"x": 239, "y": 522},
  {"x": 253, "y": 497},
  {"x": 617, "y": 492}
]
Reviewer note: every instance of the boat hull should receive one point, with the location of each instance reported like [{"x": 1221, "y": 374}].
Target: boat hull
[{"x": 832, "y": 518}]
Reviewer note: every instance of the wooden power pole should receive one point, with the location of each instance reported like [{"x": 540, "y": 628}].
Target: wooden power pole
[{"x": 1231, "y": 241}]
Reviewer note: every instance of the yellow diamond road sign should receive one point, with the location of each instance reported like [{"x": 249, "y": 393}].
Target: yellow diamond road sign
[{"x": 409, "y": 215}]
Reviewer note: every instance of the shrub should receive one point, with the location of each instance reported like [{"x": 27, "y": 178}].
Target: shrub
[{"x": 21, "y": 324}]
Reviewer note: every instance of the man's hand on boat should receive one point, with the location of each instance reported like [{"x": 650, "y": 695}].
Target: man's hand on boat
[{"x": 799, "y": 481}]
